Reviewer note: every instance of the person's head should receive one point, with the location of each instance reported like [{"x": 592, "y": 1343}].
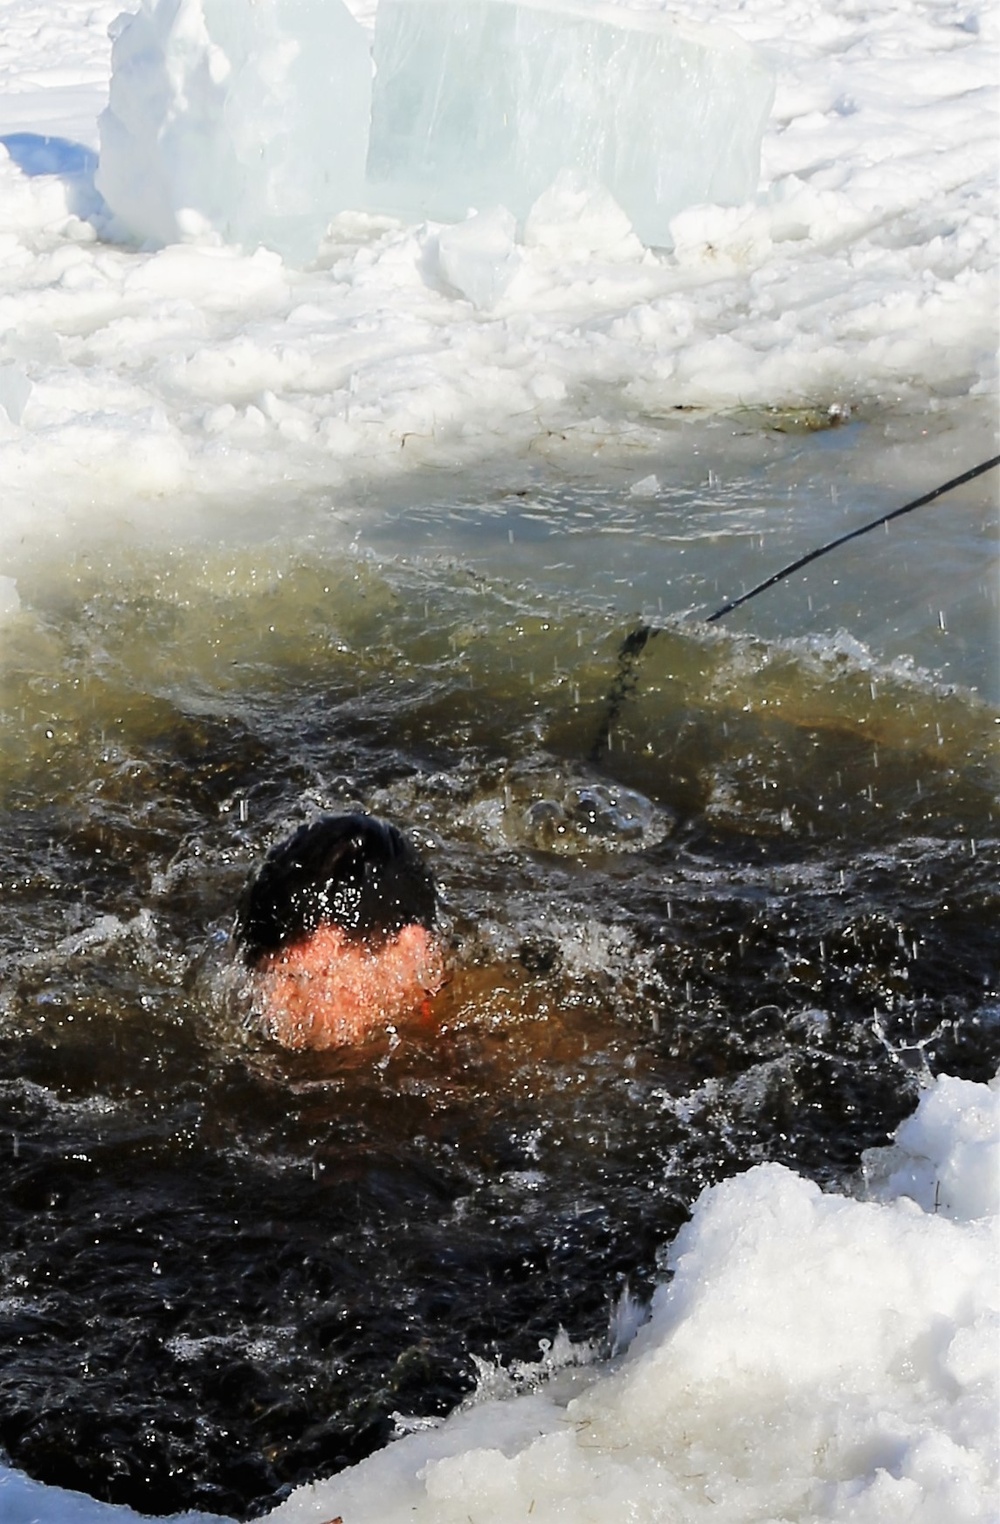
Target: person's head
[{"x": 338, "y": 929}]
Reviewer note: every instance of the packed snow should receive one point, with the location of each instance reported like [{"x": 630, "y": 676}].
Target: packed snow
[{"x": 215, "y": 378}]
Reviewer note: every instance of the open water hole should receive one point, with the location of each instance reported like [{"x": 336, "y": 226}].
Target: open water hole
[{"x": 745, "y": 932}]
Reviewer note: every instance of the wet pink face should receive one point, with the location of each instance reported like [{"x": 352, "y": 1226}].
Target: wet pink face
[{"x": 330, "y": 988}]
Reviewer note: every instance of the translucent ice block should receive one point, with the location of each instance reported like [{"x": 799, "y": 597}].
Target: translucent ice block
[
  {"x": 247, "y": 119},
  {"x": 483, "y": 102}
]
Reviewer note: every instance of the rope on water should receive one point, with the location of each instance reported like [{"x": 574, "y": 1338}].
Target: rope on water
[{"x": 632, "y": 647}]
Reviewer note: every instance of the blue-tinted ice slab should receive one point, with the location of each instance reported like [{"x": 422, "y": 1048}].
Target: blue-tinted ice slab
[
  {"x": 248, "y": 122},
  {"x": 480, "y": 103},
  {"x": 253, "y": 122}
]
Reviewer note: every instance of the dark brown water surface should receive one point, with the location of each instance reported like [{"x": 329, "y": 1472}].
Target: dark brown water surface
[{"x": 744, "y": 936}]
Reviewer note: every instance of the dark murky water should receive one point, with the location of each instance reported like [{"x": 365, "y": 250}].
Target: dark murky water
[{"x": 743, "y": 936}]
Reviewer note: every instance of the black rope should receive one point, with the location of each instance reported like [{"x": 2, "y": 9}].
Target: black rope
[
  {"x": 635, "y": 642},
  {"x": 625, "y": 681},
  {"x": 814, "y": 555}
]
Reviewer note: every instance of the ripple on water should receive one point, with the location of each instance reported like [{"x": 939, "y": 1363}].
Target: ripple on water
[{"x": 745, "y": 936}]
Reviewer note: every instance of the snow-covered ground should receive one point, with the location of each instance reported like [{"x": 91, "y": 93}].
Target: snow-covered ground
[
  {"x": 814, "y": 1357},
  {"x": 185, "y": 385}
]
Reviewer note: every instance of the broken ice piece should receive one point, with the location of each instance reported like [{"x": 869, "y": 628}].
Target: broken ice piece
[
  {"x": 477, "y": 257},
  {"x": 248, "y": 123},
  {"x": 485, "y": 102}
]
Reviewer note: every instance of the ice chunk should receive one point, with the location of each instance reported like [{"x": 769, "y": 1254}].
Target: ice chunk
[
  {"x": 478, "y": 258},
  {"x": 571, "y": 220},
  {"x": 945, "y": 1156},
  {"x": 647, "y": 486},
  {"x": 247, "y": 122},
  {"x": 15, "y": 389},
  {"x": 480, "y": 103},
  {"x": 726, "y": 237},
  {"x": 814, "y": 1357},
  {"x": 252, "y": 123}
]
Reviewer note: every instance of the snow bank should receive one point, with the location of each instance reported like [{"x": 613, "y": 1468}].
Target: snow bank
[
  {"x": 814, "y": 1357},
  {"x": 862, "y": 273}
]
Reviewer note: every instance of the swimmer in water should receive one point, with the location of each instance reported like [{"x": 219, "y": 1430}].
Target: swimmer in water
[{"x": 338, "y": 929}]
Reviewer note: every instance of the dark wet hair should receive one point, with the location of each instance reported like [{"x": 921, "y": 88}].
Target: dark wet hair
[{"x": 351, "y": 871}]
